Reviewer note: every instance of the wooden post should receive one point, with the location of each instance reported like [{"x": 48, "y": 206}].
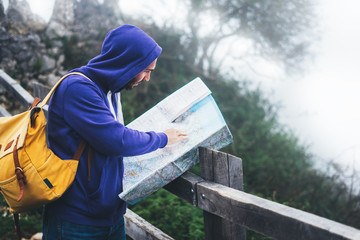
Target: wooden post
[
  {"x": 4, "y": 112},
  {"x": 137, "y": 228},
  {"x": 16, "y": 89},
  {"x": 224, "y": 169},
  {"x": 40, "y": 90}
]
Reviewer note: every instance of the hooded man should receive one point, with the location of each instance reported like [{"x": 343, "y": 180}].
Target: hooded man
[{"x": 90, "y": 111}]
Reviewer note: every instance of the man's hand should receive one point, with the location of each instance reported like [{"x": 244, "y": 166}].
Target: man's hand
[{"x": 175, "y": 136}]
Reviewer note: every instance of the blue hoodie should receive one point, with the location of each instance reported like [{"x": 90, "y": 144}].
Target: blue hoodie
[{"x": 80, "y": 110}]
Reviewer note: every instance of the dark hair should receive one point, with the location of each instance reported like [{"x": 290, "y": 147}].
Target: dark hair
[{"x": 129, "y": 85}]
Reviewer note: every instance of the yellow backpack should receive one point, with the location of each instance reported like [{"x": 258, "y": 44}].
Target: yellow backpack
[{"x": 30, "y": 173}]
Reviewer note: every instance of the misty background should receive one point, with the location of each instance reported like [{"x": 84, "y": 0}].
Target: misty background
[
  {"x": 284, "y": 74},
  {"x": 320, "y": 104}
]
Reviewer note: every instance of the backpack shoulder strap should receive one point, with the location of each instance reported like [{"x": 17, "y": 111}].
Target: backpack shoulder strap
[
  {"x": 46, "y": 99},
  {"x": 82, "y": 144}
]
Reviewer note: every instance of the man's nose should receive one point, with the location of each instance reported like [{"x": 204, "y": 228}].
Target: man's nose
[{"x": 147, "y": 77}]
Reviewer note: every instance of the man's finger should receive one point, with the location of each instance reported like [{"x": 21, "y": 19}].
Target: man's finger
[{"x": 181, "y": 133}]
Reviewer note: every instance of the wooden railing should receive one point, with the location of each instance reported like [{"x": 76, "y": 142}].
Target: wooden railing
[
  {"x": 218, "y": 192},
  {"x": 263, "y": 216}
]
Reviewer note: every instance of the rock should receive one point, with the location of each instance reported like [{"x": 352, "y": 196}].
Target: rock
[
  {"x": 32, "y": 49},
  {"x": 47, "y": 64},
  {"x": 36, "y": 24},
  {"x": 24, "y": 56},
  {"x": 56, "y": 30},
  {"x": 4, "y": 37},
  {"x": 37, "y": 236},
  {"x": 8, "y": 64},
  {"x": 53, "y": 51},
  {"x": 21, "y": 20},
  {"x": 60, "y": 60},
  {"x": 58, "y": 44},
  {"x": 17, "y": 47},
  {"x": 2, "y": 11},
  {"x": 5, "y": 53},
  {"x": 52, "y": 79},
  {"x": 62, "y": 21},
  {"x": 33, "y": 39}
]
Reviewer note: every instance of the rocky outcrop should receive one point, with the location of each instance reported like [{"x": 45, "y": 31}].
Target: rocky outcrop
[
  {"x": 2, "y": 11},
  {"x": 22, "y": 45},
  {"x": 33, "y": 50},
  {"x": 62, "y": 20},
  {"x": 86, "y": 18},
  {"x": 21, "y": 20}
]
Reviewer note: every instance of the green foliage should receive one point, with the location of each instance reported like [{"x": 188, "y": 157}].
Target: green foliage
[
  {"x": 30, "y": 222},
  {"x": 73, "y": 54},
  {"x": 78, "y": 52},
  {"x": 7, "y": 231},
  {"x": 49, "y": 43},
  {"x": 276, "y": 166},
  {"x": 38, "y": 65},
  {"x": 172, "y": 215}
]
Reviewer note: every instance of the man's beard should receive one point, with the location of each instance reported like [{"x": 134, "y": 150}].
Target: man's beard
[{"x": 130, "y": 84}]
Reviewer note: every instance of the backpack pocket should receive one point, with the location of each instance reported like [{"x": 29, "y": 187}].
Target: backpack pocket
[{"x": 36, "y": 191}]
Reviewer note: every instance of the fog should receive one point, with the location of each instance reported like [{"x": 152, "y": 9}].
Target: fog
[{"x": 321, "y": 105}]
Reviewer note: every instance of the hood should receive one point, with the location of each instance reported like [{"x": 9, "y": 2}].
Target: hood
[{"x": 126, "y": 51}]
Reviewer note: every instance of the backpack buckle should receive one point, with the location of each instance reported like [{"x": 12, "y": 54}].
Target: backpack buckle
[{"x": 20, "y": 169}]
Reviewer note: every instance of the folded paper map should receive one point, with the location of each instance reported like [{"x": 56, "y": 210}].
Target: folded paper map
[{"x": 190, "y": 108}]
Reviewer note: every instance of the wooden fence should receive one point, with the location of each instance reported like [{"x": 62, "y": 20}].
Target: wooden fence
[{"x": 228, "y": 211}]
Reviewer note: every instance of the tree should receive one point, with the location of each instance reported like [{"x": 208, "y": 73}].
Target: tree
[
  {"x": 278, "y": 30},
  {"x": 276, "y": 165}
]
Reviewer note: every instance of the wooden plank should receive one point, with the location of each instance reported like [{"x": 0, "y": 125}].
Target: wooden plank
[
  {"x": 185, "y": 187},
  {"x": 40, "y": 90},
  {"x": 4, "y": 112},
  {"x": 137, "y": 228},
  {"x": 220, "y": 167},
  {"x": 222, "y": 228},
  {"x": 16, "y": 89},
  {"x": 269, "y": 218},
  {"x": 235, "y": 181},
  {"x": 235, "y": 173},
  {"x": 212, "y": 223},
  {"x": 215, "y": 166},
  {"x": 206, "y": 164}
]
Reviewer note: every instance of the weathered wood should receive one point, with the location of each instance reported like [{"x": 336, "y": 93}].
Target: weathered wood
[
  {"x": 16, "y": 89},
  {"x": 221, "y": 168},
  {"x": 139, "y": 229},
  {"x": 235, "y": 181},
  {"x": 206, "y": 164},
  {"x": 219, "y": 201},
  {"x": 185, "y": 187},
  {"x": 212, "y": 223},
  {"x": 235, "y": 173},
  {"x": 40, "y": 90},
  {"x": 269, "y": 218},
  {"x": 4, "y": 112}
]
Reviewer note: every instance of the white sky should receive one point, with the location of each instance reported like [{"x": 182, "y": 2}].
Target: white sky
[{"x": 322, "y": 107}]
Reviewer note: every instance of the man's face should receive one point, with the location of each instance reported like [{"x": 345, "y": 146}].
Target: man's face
[{"x": 143, "y": 76}]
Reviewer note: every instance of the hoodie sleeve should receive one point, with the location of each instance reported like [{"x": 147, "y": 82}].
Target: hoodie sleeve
[{"x": 86, "y": 112}]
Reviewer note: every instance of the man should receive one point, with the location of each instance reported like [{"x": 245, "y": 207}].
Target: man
[{"x": 90, "y": 110}]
